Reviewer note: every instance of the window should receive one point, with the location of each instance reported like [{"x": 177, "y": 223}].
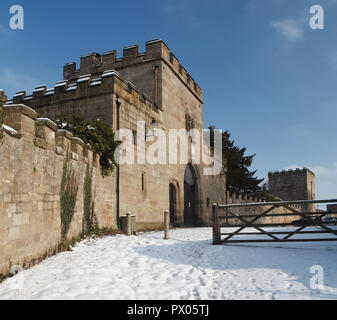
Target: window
[
  {"x": 189, "y": 122},
  {"x": 143, "y": 181},
  {"x": 134, "y": 137}
]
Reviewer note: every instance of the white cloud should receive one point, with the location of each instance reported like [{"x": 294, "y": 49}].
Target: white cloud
[
  {"x": 325, "y": 180},
  {"x": 290, "y": 29}
]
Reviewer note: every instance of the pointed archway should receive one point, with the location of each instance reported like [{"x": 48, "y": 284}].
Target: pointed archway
[{"x": 173, "y": 204}]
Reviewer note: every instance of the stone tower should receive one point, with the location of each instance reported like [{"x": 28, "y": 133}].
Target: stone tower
[
  {"x": 156, "y": 72},
  {"x": 291, "y": 185}
]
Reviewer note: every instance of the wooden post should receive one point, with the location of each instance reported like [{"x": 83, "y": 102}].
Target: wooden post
[
  {"x": 216, "y": 224},
  {"x": 166, "y": 224},
  {"x": 128, "y": 224}
]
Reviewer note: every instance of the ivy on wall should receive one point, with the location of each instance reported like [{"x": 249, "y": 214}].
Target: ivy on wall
[
  {"x": 68, "y": 195},
  {"x": 89, "y": 223}
]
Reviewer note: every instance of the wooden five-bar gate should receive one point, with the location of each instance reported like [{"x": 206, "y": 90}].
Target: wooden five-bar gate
[{"x": 298, "y": 211}]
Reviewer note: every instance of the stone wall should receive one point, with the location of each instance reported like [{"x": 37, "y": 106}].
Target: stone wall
[
  {"x": 257, "y": 210},
  {"x": 32, "y": 154}
]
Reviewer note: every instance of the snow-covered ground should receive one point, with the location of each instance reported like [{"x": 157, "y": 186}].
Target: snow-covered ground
[{"x": 185, "y": 267}]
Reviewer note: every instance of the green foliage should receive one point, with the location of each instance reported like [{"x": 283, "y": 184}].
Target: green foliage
[
  {"x": 96, "y": 133},
  {"x": 68, "y": 195},
  {"x": 239, "y": 177},
  {"x": 267, "y": 196},
  {"x": 89, "y": 223}
]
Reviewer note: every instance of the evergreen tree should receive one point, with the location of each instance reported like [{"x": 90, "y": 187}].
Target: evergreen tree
[
  {"x": 96, "y": 133},
  {"x": 239, "y": 177}
]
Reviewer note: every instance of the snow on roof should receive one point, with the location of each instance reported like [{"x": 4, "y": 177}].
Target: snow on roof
[
  {"x": 9, "y": 129},
  {"x": 19, "y": 94},
  {"x": 108, "y": 52},
  {"x": 83, "y": 79},
  {"x": 60, "y": 84},
  {"x": 95, "y": 83},
  {"x": 42, "y": 88},
  {"x": 71, "y": 88},
  {"x": 109, "y": 74},
  {"x": 153, "y": 41},
  {"x": 88, "y": 54},
  {"x": 49, "y": 92}
]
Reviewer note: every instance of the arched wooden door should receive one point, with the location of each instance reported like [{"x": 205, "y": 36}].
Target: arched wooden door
[{"x": 190, "y": 199}]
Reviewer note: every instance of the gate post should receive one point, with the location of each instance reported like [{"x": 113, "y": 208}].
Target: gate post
[
  {"x": 128, "y": 224},
  {"x": 216, "y": 224},
  {"x": 166, "y": 224}
]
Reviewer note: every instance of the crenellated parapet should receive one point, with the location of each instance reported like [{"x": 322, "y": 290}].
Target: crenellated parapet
[
  {"x": 241, "y": 198},
  {"x": 237, "y": 198},
  {"x": 44, "y": 134},
  {"x": 289, "y": 172},
  {"x": 86, "y": 86},
  {"x": 95, "y": 63}
]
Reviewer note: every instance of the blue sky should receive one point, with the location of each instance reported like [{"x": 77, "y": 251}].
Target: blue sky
[{"x": 266, "y": 76}]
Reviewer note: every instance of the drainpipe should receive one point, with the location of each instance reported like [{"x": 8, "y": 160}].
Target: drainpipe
[{"x": 118, "y": 104}]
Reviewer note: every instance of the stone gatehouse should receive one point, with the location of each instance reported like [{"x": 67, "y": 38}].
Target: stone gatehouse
[{"x": 149, "y": 86}]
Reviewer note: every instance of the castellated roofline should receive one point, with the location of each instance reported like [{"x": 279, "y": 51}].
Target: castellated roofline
[
  {"x": 95, "y": 63},
  {"x": 233, "y": 197},
  {"x": 42, "y": 133},
  {"x": 290, "y": 171},
  {"x": 85, "y": 86},
  {"x": 240, "y": 198}
]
